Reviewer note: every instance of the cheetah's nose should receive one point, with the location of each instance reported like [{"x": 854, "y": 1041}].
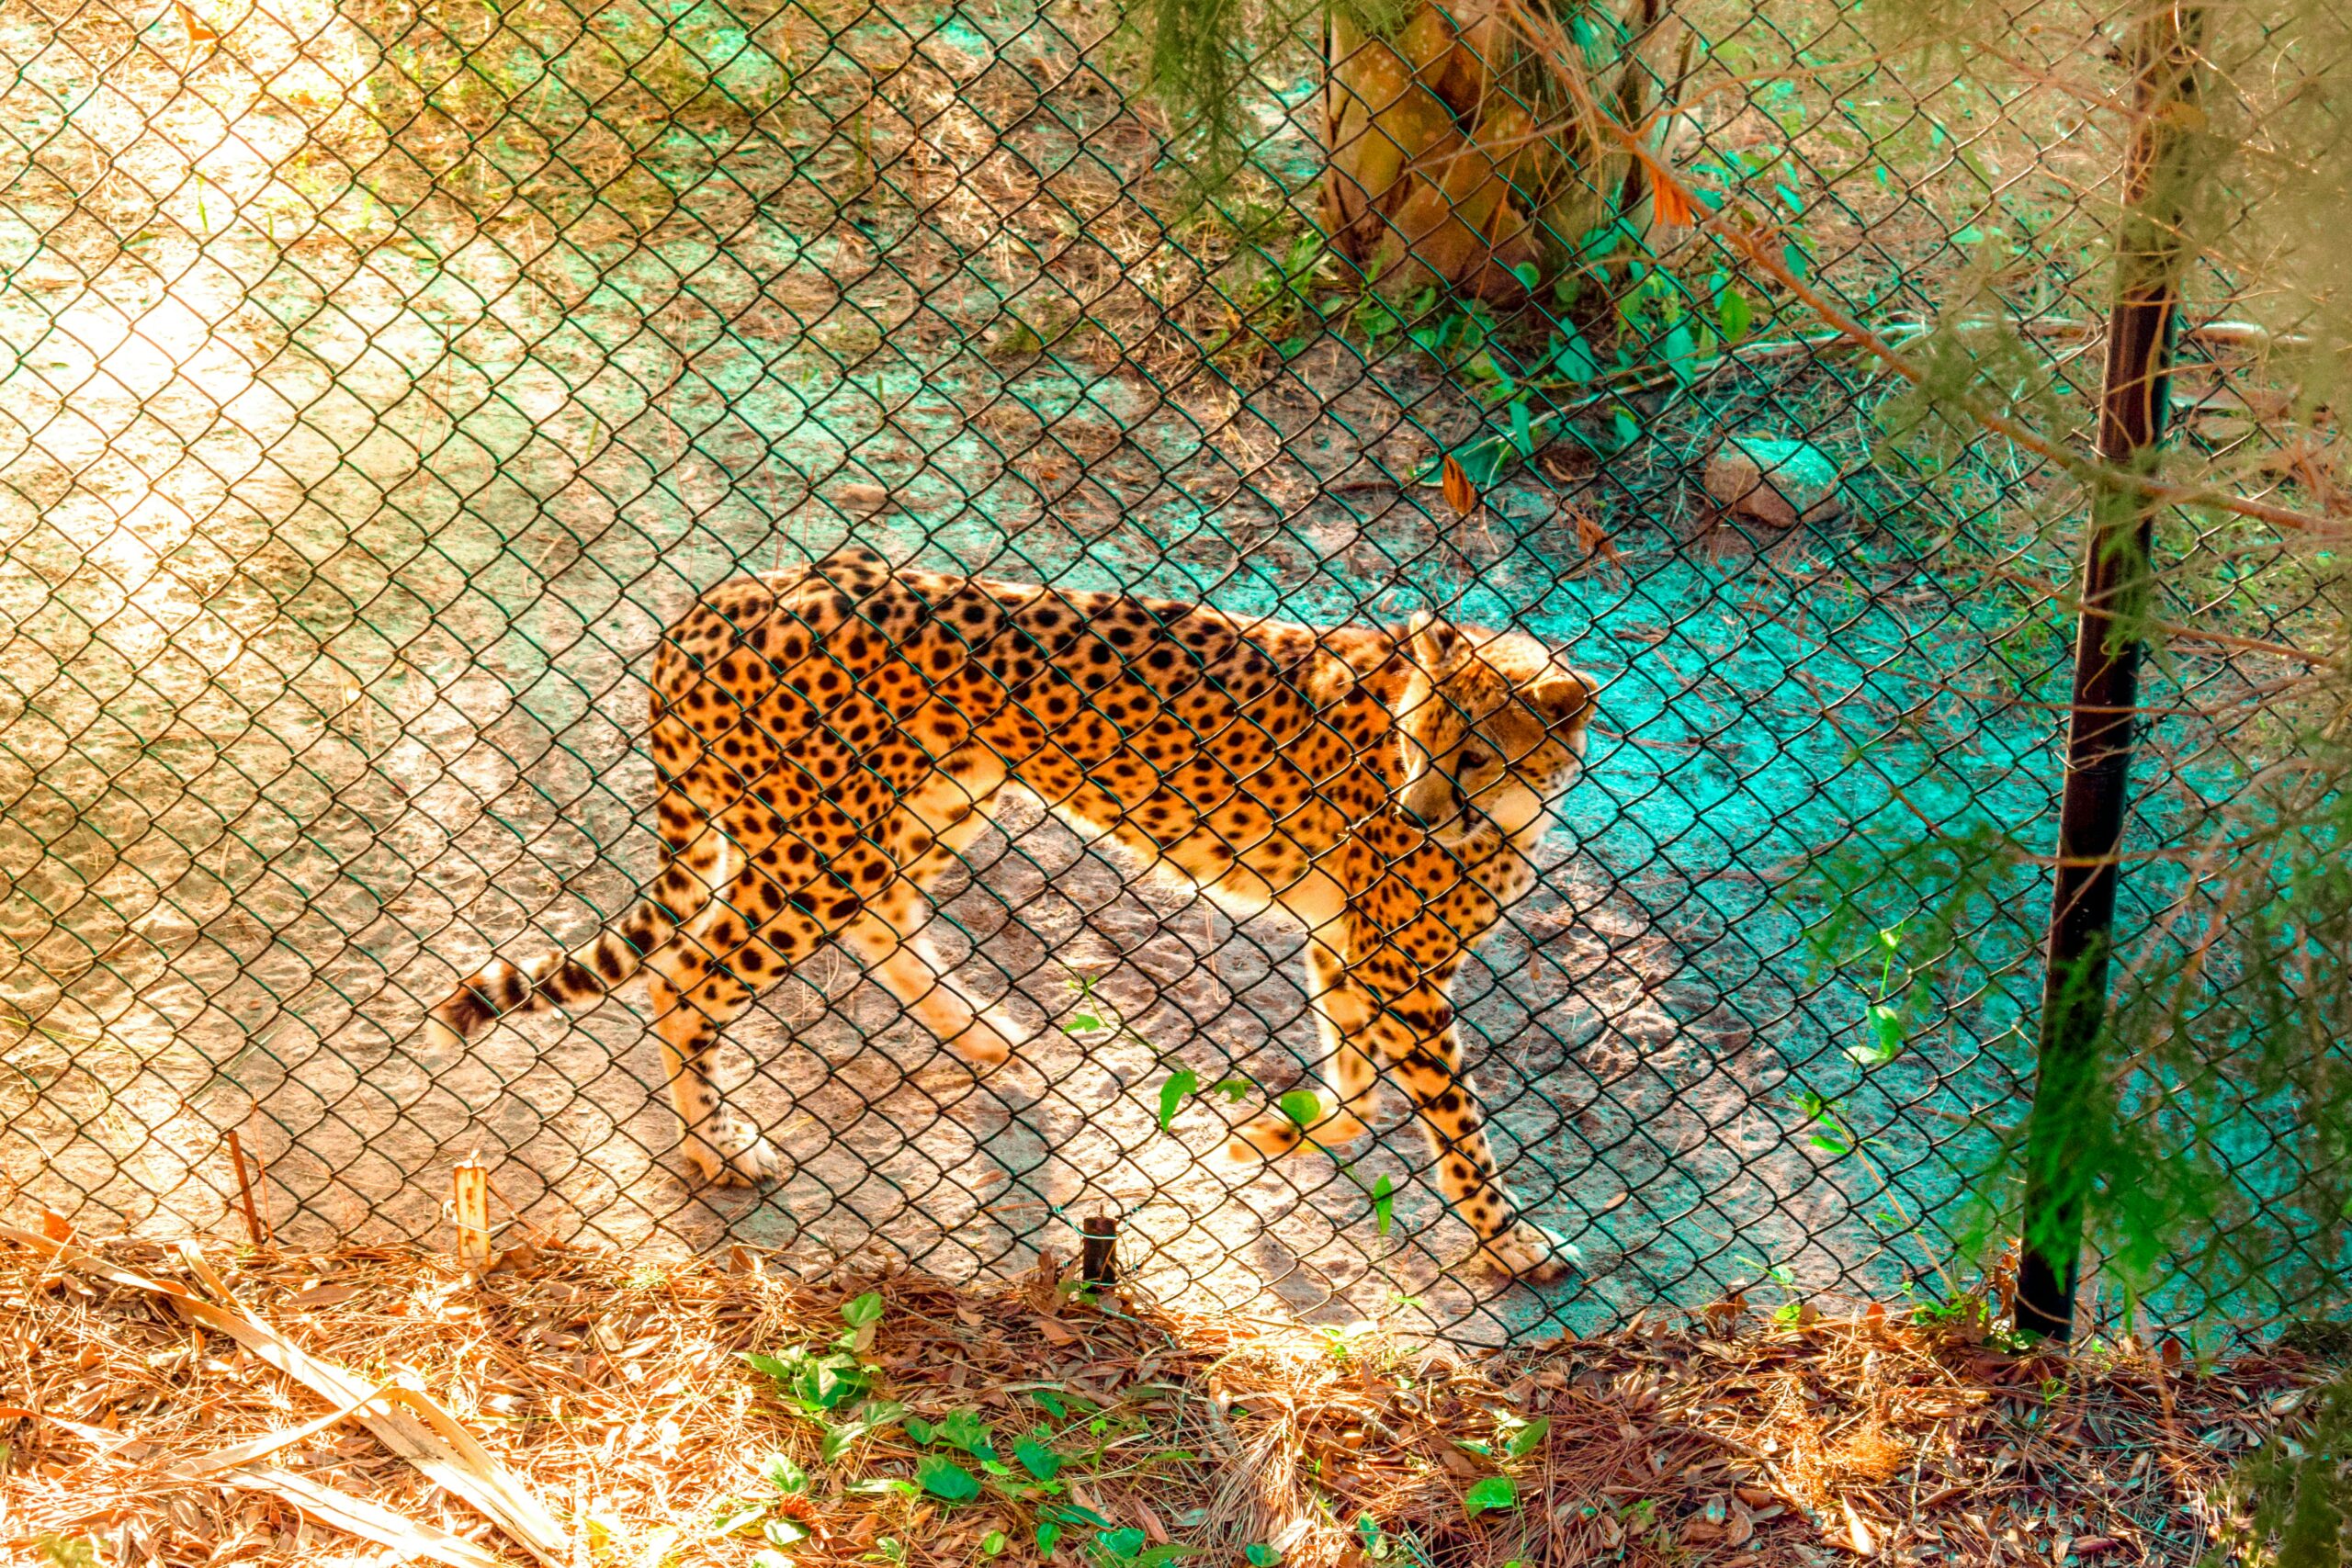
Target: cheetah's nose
[{"x": 1430, "y": 799}]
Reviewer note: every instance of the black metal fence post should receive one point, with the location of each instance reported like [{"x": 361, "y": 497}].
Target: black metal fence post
[{"x": 2151, "y": 253}]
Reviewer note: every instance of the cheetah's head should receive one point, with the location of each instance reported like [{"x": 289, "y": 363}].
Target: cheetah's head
[{"x": 1491, "y": 730}]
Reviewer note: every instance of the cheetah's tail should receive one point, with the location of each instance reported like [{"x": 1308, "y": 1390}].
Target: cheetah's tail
[{"x": 503, "y": 990}]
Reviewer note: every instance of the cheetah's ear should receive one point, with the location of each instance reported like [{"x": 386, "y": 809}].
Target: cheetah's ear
[
  {"x": 1564, "y": 697},
  {"x": 1435, "y": 645}
]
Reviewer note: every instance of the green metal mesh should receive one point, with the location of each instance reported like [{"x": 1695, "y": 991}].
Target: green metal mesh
[{"x": 382, "y": 380}]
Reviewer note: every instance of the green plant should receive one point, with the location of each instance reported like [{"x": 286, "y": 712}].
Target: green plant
[
  {"x": 2205, "y": 1136},
  {"x": 1496, "y": 1493},
  {"x": 1280, "y": 292},
  {"x": 1525, "y": 1437},
  {"x": 1035, "y": 1457},
  {"x": 1094, "y": 1015},
  {"x": 2296, "y": 1490},
  {"x": 945, "y": 1479},
  {"x": 1180, "y": 1083},
  {"x": 835, "y": 1386},
  {"x": 1889, "y": 1026},
  {"x": 960, "y": 1430},
  {"x": 1379, "y": 1544},
  {"x": 1531, "y": 386}
]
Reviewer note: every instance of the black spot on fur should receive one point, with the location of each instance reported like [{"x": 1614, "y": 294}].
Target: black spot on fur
[
  {"x": 571, "y": 981},
  {"x": 468, "y": 1012}
]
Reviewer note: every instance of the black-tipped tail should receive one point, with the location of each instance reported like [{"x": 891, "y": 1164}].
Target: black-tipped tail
[{"x": 503, "y": 990}]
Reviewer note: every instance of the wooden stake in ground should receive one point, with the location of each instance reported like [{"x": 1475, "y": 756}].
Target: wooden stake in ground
[
  {"x": 470, "y": 1210},
  {"x": 245, "y": 1189},
  {"x": 1098, "y": 1257}
]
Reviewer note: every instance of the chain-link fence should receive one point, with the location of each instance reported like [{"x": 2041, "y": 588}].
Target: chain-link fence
[{"x": 383, "y": 381}]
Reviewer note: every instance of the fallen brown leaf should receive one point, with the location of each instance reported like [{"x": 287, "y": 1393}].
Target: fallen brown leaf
[
  {"x": 1858, "y": 1532},
  {"x": 1460, "y": 493},
  {"x": 1591, "y": 536}
]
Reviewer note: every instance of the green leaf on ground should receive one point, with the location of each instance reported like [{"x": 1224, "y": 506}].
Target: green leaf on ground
[
  {"x": 965, "y": 1430},
  {"x": 1495, "y": 1492},
  {"x": 1384, "y": 1203},
  {"x": 871, "y": 1417},
  {"x": 1303, "y": 1106},
  {"x": 946, "y": 1480},
  {"x": 1121, "y": 1543}
]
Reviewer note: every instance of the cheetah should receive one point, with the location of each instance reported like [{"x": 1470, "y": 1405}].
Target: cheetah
[{"x": 829, "y": 740}]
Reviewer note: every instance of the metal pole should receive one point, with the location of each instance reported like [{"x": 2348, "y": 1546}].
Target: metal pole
[{"x": 2163, "y": 164}]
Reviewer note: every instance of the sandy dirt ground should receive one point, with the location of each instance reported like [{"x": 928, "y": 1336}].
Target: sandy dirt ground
[{"x": 342, "y": 518}]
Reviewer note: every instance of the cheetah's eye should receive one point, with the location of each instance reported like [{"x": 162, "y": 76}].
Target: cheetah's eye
[{"x": 1471, "y": 761}]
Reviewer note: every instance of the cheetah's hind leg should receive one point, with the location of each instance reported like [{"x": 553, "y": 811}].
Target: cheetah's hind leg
[
  {"x": 887, "y": 937},
  {"x": 698, "y": 985},
  {"x": 936, "y": 823}
]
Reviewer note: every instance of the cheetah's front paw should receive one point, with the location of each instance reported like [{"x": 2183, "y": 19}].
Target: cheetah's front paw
[
  {"x": 1529, "y": 1252},
  {"x": 729, "y": 1152},
  {"x": 1277, "y": 1133},
  {"x": 988, "y": 1040}
]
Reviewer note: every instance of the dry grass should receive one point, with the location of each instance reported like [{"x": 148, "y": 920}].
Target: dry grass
[{"x": 616, "y": 1393}]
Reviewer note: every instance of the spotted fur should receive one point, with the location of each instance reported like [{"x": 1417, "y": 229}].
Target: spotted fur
[{"x": 830, "y": 739}]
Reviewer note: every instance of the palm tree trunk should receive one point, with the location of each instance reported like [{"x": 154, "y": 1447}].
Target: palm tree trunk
[{"x": 1454, "y": 159}]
